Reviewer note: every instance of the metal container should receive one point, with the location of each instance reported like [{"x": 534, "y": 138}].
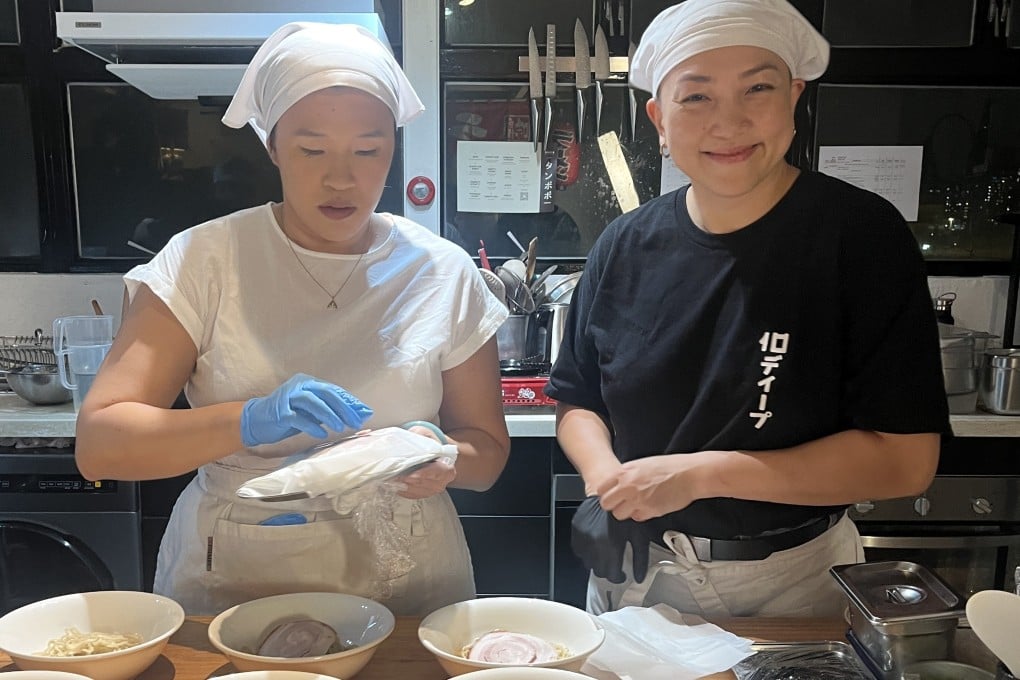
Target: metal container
[
  {"x": 945, "y": 670},
  {"x": 999, "y": 385},
  {"x": 38, "y": 384},
  {"x": 900, "y": 613},
  {"x": 961, "y": 352},
  {"x": 550, "y": 322},
  {"x": 512, "y": 340}
]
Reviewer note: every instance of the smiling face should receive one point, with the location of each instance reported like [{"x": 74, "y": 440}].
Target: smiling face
[
  {"x": 726, "y": 116},
  {"x": 333, "y": 149}
]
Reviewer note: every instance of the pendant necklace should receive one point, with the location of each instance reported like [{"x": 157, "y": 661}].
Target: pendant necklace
[{"x": 332, "y": 296}]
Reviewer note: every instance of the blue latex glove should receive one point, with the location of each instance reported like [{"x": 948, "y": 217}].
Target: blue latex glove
[{"x": 302, "y": 404}]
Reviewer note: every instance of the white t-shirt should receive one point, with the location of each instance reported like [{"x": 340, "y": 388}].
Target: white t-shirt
[{"x": 414, "y": 306}]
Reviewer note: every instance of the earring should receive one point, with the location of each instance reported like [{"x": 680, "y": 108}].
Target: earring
[{"x": 664, "y": 150}]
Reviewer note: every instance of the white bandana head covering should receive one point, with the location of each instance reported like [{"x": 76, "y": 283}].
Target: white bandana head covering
[
  {"x": 300, "y": 58},
  {"x": 696, "y": 26}
]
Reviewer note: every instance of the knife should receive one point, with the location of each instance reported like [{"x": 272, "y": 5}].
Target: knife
[
  {"x": 582, "y": 75},
  {"x": 632, "y": 94},
  {"x": 534, "y": 84},
  {"x": 601, "y": 73},
  {"x": 550, "y": 80}
]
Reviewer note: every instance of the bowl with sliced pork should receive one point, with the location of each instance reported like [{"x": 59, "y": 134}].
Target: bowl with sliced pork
[
  {"x": 332, "y": 634},
  {"x": 500, "y": 632},
  {"x": 108, "y": 634}
]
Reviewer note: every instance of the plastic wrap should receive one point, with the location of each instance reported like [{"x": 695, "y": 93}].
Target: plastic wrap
[{"x": 802, "y": 661}]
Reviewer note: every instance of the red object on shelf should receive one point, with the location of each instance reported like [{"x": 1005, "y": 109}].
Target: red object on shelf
[{"x": 525, "y": 392}]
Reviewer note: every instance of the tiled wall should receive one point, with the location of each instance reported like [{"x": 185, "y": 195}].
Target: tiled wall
[{"x": 30, "y": 301}]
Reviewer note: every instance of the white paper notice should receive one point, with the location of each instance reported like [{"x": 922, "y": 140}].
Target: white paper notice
[
  {"x": 671, "y": 177},
  {"x": 498, "y": 177},
  {"x": 893, "y": 172}
]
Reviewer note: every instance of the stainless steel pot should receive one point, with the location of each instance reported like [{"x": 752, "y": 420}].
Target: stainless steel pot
[
  {"x": 999, "y": 386},
  {"x": 550, "y": 322}
]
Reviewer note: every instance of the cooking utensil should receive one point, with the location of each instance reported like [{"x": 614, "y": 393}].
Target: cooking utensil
[
  {"x": 483, "y": 257},
  {"x": 96, "y": 307},
  {"x": 632, "y": 93},
  {"x": 550, "y": 80},
  {"x": 582, "y": 73},
  {"x": 546, "y": 273},
  {"x": 564, "y": 289},
  {"x": 510, "y": 235},
  {"x": 529, "y": 262},
  {"x": 601, "y": 73},
  {"x": 516, "y": 267},
  {"x": 494, "y": 283},
  {"x": 534, "y": 84},
  {"x": 994, "y": 615}
]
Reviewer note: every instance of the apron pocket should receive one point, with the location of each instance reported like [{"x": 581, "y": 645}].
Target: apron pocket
[{"x": 248, "y": 561}]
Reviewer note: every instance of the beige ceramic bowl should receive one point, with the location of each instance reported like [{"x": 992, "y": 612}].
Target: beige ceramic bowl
[
  {"x": 447, "y": 631},
  {"x": 524, "y": 673},
  {"x": 43, "y": 675},
  {"x": 273, "y": 675},
  {"x": 26, "y": 631},
  {"x": 238, "y": 631}
]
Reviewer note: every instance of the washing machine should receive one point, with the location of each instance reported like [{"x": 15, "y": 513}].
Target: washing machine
[{"x": 60, "y": 533}]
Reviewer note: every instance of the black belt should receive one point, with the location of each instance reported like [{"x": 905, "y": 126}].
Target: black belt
[{"x": 760, "y": 547}]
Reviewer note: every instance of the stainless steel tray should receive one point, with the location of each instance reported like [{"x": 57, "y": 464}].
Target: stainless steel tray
[{"x": 825, "y": 660}]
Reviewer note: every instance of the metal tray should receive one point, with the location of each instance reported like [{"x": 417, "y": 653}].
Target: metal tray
[{"x": 825, "y": 660}]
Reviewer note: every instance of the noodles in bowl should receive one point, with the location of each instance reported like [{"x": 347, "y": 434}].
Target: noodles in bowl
[
  {"x": 75, "y": 643},
  {"x": 110, "y": 634}
]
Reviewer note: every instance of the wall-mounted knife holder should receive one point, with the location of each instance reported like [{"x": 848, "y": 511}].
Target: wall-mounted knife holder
[{"x": 569, "y": 65}]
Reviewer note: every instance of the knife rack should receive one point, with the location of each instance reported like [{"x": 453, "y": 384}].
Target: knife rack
[{"x": 569, "y": 64}]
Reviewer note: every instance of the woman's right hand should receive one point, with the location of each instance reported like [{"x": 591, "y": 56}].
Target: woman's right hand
[{"x": 301, "y": 404}]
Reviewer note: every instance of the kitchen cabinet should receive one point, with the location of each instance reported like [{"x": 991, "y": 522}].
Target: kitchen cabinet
[
  {"x": 9, "y": 33},
  {"x": 19, "y": 220}
]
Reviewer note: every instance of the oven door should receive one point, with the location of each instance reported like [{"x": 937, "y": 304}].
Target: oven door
[{"x": 969, "y": 558}]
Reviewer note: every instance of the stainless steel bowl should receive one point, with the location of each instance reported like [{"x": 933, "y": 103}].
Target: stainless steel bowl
[{"x": 38, "y": 384}]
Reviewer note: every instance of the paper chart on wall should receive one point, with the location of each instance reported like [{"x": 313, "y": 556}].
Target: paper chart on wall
[
  {"x": 498, "y": 177},
  {"x": 893, "y": 172}
]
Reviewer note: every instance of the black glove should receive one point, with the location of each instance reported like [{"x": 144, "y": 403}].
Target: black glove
[{"x": 599, "y": 539}]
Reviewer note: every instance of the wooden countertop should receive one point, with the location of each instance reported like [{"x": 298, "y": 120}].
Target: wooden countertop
[{"x": 190, "y": 656}]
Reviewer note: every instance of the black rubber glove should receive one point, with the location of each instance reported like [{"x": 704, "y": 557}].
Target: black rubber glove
[{"x": 599, "y": 540}]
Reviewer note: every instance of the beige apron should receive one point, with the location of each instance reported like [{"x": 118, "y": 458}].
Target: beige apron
[
  {"x": 794, "y": 582},
  {"x": 215, "y": 553}
]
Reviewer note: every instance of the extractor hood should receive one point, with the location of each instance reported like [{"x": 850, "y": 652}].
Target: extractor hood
[{"x": 176, "y": 49}]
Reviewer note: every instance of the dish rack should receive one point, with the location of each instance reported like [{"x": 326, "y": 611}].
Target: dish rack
[{"x": 18, "y": 351}]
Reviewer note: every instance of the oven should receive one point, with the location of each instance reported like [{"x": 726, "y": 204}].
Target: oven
[{"x": 60, "y": 533}]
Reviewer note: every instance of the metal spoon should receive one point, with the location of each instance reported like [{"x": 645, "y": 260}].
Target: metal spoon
[{"x": 495, "y": 284}]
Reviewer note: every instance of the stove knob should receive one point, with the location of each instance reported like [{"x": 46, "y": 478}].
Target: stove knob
[
  {"x": 922, "y": 506},
  {"x": 864, "y": 507},
  {"x": 981, "y": 506}
]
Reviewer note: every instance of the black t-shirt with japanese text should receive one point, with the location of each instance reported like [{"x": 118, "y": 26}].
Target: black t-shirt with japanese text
[{"x": 812, "y": 320}]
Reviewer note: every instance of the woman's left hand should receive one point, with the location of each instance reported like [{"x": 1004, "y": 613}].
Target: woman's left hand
[{"x": 428, "y": 480}]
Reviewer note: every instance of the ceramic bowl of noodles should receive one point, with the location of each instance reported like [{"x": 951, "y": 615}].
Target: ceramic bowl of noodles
[
  {"x": 332, "y": 634},
  {"x": 273, "y": 675},
  {"x": 501, "y": 632},
  {"x": 108, "y": 634},
  {"x": 523, "y": 673}
]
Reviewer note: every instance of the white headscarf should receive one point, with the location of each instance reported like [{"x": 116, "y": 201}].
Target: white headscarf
[
  {"x": 302, "y": 57},
  {"x": 696, "y": 26}
]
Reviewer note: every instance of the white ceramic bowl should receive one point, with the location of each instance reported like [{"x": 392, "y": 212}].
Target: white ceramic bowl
[
  {"x": 524, "y": 673},
  {"x": 238, "y": 631},
  {"x": 43, "y": 675},
  {"x": 447, "y": 631},
  {"x": 273, "y": 675},
  {"x": 25, "y": 632}
]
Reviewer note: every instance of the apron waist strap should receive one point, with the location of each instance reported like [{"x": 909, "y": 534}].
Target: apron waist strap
[{"x": 760, "y": 547}]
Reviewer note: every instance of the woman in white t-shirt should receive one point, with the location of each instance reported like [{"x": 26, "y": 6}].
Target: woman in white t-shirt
[{"x": 288, "y": 323}]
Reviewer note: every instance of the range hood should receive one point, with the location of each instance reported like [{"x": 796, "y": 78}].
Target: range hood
[{"x": 183, "y": 49}]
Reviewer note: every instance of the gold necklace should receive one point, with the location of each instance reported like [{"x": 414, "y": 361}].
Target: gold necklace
[{"x": 332, "y": 297}]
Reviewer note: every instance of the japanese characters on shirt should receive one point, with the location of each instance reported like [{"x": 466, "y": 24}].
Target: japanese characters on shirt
[{"x": 773, "y": 347}]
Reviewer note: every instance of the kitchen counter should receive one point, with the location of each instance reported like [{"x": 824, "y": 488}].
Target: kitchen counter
[
  {"x": 190, "y": 656},
  {"x": 18, "y": 418}
]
